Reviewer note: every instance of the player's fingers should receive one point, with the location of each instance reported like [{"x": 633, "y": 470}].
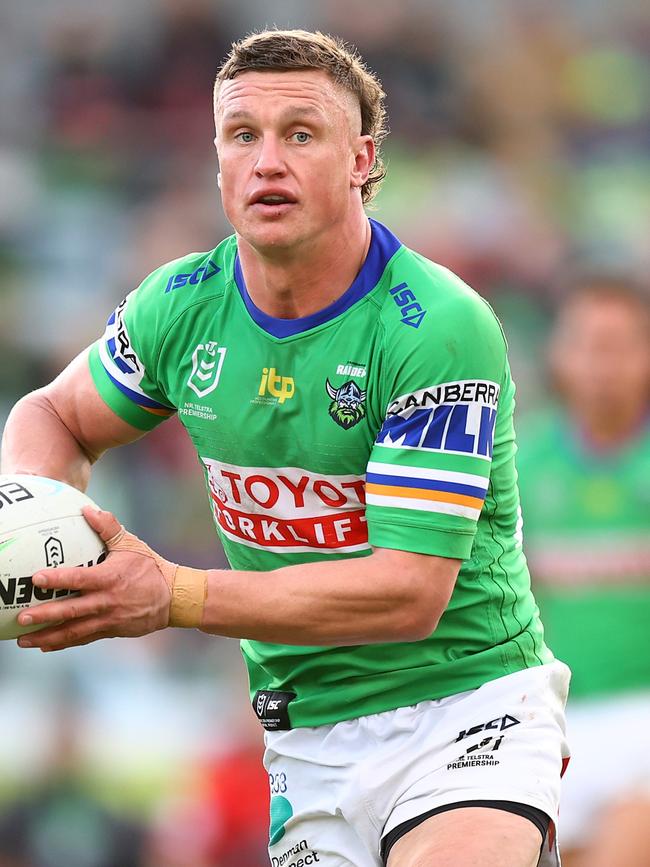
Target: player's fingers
[
  {"x": 72, "y": 634},
  {"x": 105, "y": 524},
  {"x": 65, "y": 610},
  {"x": 70, "y": 578}
]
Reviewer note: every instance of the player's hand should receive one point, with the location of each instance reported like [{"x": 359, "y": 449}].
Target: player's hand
[{"x": 129, "y": 594}]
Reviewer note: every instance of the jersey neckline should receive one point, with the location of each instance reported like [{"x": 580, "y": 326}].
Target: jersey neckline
[{"x": 383, "y": 246}]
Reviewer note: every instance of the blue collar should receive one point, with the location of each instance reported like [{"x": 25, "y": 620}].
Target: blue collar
[{"x": 383, "y": 246}]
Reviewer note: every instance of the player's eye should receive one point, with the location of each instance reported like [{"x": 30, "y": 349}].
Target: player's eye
[
  {"x": 301, "y": 137},
  {"x": 245, "y": 137}
]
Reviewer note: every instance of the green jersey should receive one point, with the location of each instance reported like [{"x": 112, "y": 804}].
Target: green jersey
[
  {"x": 587, "y": 520},
  {"x": 382, "y": 420}
]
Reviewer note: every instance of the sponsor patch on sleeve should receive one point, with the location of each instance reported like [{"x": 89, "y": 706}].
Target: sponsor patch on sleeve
[
  {"x": 122, "y": 364},
  {"x": 456, "y": 417}
]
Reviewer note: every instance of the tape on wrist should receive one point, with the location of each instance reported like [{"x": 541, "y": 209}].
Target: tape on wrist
[{"x": 189, "y": 592}]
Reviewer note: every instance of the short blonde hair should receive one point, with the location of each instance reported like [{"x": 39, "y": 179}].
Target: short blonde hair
[{"x": 301, "y": 49}]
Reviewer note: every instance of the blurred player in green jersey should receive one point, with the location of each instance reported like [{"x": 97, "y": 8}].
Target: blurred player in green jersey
[
  {"x": 585, "y": 480},
  {"x": 352, "y": 407}
]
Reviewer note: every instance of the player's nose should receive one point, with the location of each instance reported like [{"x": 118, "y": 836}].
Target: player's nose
[{"x": 270, "y": 159}]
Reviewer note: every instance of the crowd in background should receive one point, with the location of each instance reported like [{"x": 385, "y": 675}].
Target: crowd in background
[{"x": 519, "y": 156}]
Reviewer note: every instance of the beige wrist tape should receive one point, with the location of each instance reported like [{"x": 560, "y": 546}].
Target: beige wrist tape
[
  {"x": 189, "y": 592},
  {"x": 188, "y": 587}
]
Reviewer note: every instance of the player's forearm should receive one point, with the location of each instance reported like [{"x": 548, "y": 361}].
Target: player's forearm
[
  {"x": 344, "y": 602},
  {"x": 36, "y": 441}
]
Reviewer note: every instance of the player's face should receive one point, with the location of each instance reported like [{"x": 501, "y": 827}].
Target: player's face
[
  {"x": 291, "y": 156},
  {"x": 602, "y": 357}
]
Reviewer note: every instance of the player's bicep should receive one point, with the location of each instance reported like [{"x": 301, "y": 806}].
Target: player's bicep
[
  {"x": 427, "y": 581},
  {"x": 427, "y": 569},
  {"x": 74, "y": 397}
]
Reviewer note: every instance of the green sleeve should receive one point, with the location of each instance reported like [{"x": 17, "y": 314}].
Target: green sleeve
[
  {"x": 123, "y": 362},
  {"x": 429, "y": 470}
]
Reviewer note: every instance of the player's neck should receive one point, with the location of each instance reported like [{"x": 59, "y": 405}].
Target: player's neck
[{"x": 300, "y": 282}]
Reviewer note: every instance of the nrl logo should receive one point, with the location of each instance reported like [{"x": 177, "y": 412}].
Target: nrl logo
[
  {"x": 207, "y": 361},
  {"x": 348, "y": 403},
  {"x": 260, "y": 705}
]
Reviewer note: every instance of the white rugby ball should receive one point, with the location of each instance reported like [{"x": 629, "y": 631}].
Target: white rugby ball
[{"x": 41, "y": 525}]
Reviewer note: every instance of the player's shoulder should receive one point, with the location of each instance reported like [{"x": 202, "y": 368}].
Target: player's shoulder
[
  {"x": 186, "y": 280},
  {"x": 424, "y": 298}
]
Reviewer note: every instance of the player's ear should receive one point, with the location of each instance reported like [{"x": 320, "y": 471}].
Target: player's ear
[
  {"x": 218, "y": 166},
  {"x": 364, "y": 159}
]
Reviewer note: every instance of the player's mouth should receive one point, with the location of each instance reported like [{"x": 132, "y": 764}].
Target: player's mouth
[{"x": 272, "y": 203}]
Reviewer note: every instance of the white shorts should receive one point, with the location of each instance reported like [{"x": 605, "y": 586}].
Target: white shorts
[
  {"x": 609, "y": 761},
  {"x": 337, "y": 790}
]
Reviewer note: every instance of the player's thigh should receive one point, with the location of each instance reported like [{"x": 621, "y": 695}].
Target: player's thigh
[{"x": 469, "y": 837}]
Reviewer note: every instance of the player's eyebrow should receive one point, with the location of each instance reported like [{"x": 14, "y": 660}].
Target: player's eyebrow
[
  {"x": 236, "y": 114},
  {"x": 307, "y": 111},
  {"x": 294, "y": 113}
]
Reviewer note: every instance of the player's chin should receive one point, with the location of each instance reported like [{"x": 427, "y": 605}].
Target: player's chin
[{"x": 275, "y": 234}]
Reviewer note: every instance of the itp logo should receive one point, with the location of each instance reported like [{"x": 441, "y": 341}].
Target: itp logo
[
  {"x": 282, "y": 387},
  {"x": 206, "y": 367}
]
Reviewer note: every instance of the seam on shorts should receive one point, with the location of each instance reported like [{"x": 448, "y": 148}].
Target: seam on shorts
[
  {"x": 374, "y": 818},
  {"x": 366, "y": 797}
]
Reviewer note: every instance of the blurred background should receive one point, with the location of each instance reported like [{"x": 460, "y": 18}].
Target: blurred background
[{"x": 519, "y": 156}]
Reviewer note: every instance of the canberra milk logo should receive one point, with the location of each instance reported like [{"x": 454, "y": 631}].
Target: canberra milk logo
[
  {"x": 207, "y": 361},
  {"x": 455, "y": 417},
  {"x": 348, "y": 404}
]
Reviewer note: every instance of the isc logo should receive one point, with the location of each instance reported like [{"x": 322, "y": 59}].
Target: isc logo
[
  {"x": 282, "y": 387},
  {"x": 197, "y": 276},
  {"x": 412, "y": 312}
]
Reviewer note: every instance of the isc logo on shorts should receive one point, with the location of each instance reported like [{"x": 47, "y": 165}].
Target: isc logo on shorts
[
  {"x": 500, "y": 723},
  {"x": 271, "y": 707}
]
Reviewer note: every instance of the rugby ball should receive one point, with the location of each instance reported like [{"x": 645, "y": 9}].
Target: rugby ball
[{"x": 41, "y": 525}]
